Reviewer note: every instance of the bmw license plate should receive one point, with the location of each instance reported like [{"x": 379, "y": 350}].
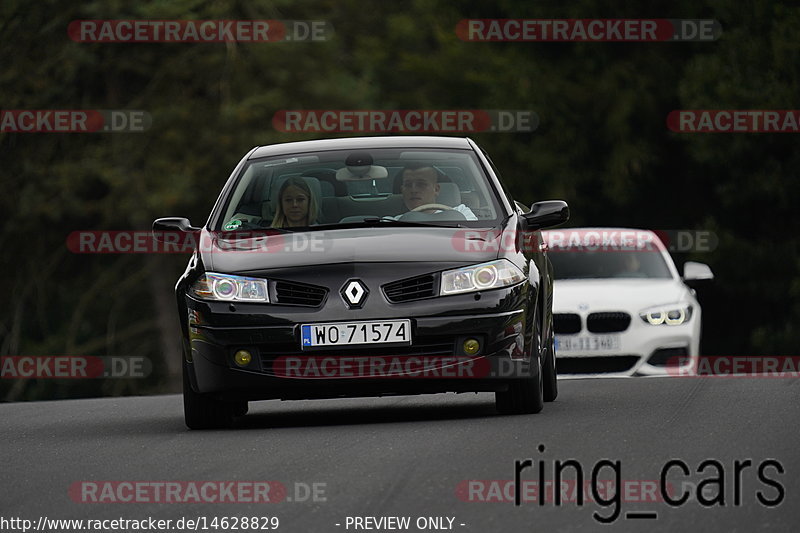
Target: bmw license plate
[
  {"x": 352, "y": 333},
  {"x": 587, "y": 344}
]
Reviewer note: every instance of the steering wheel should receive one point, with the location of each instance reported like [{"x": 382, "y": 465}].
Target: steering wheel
[{"x": 425, "y": 207}]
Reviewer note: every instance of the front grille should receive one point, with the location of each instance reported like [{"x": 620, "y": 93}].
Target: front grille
[
  {"x": 596, "y": 364},
  {"x": 410, "y": 289},
  {"x": 291, "y": 293},
  {"x": 566, "y": 323},
  {"x": 608, "y": 322},
  {"x": 669, "y": 357}
]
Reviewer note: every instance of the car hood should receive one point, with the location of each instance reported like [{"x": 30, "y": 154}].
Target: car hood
[
  {"x": 364, "y": 245},
  {"x": 632, "y": 295}
]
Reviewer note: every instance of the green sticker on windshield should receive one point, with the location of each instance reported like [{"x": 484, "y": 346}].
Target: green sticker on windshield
[{"x": 233, "y": 224}]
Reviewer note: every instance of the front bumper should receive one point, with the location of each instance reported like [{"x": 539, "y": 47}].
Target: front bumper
[
  {"x": 643, "y": 350},
  {"x": 439, "y": 327}
]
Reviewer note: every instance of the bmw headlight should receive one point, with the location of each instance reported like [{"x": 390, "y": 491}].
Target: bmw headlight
[
  {"x": 227, "y": 288},
  {"x": 671, "y": 315},
  {"x": 493, "y": 275}
]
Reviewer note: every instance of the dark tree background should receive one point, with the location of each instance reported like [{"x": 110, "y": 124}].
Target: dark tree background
[{"x": 602, "y": 145}]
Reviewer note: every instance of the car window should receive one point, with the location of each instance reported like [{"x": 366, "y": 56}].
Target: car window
[
  {"x": 500, "y": 179},
  {"x": 586, "y": 264},
  {"x": 395, "y": 183}
]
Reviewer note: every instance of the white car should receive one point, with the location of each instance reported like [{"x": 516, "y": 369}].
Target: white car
[{"x": 620, "y": 307}]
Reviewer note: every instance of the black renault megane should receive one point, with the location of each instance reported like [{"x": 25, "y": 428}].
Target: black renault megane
[{"x": 365, "y": 267}]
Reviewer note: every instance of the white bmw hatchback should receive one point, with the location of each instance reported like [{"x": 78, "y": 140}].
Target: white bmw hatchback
[{"x": 620, "y": 306}]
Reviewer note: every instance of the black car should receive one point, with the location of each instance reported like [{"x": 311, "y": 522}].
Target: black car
[{"x": 365, "y": 267}]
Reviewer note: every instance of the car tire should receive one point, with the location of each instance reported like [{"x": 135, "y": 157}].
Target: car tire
[
  {"x": 201, "y": 411},
  {"x": 526, "y": 395},
  {"x": 240, "y": 408},
  {"x": 549, "y": 368}
]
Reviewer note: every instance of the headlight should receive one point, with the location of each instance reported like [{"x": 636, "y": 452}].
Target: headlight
[
  {"x": 494, "y": 275},
  {"x": 671, "y": 315},
  {"x": 223, "y": 287}
]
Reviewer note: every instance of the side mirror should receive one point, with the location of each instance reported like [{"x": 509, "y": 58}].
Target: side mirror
[
  {"x": 171, "y": 224},
  {"x": 547, "y": 214},
  {"x": 696, "y": 273}
]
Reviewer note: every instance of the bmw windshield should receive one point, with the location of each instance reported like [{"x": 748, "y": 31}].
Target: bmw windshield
[{"x": 569, "y": 263}]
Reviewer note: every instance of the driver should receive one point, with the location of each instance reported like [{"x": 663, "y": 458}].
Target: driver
[{"x": 420, "y": 187}]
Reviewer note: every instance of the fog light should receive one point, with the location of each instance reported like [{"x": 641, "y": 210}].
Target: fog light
[
  {"x": 471, "y": 346},
  {"x": 242, "y": 357}
]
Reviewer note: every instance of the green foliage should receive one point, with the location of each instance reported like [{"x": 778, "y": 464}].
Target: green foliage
[{"x": 602, "y": 145}]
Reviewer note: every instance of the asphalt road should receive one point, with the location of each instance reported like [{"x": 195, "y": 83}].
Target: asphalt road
[{"x": 420, "y": 457}]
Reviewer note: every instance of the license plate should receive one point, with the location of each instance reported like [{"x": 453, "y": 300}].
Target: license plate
[
  {"x": 353, "y": 333},
  {"x": 587, "y": 344}
]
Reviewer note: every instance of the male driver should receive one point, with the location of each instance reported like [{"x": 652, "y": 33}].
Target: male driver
[{"x": 420, "y": 187}]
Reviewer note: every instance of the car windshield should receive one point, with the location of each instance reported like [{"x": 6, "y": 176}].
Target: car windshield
[
  {"x": 319, "y": 189},
  {"x": 588, "y": 264}
]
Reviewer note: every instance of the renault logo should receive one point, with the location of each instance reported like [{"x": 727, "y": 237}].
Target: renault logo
[{"x": 354, "y": 293}]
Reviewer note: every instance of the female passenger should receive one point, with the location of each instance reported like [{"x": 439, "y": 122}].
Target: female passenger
[{"x": 297, "y": 205}]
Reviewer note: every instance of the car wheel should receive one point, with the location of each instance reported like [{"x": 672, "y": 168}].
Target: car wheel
[
  {"x": 549, "y": 369},
  {"x": 240, "y": 408},
  {"x": 524, "y": 396},
  {"x": 201, "y": 411}
]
